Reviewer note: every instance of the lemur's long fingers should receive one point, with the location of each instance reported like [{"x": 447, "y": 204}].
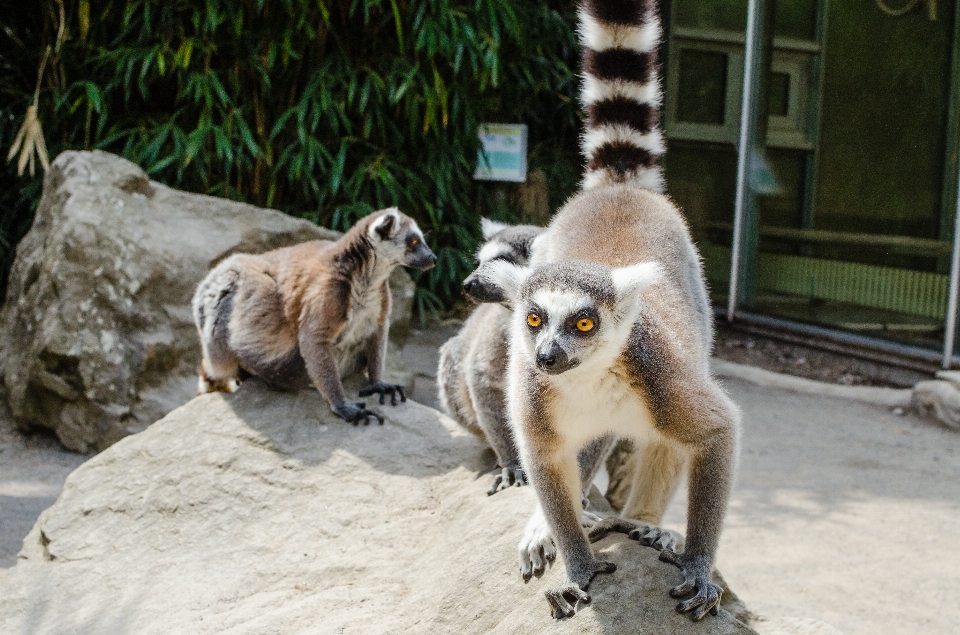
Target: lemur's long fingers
[
  {"x": 665, "y": 541},
  {"x": 403, "y": 397},
  {"x": 688, "y": 605},
  {"x": 393, "y": 397},
  {"x": 496, "y": 484},
  {"x": 605, "y": 526},
  {"x": 539, "y": 564},
  {"x": 689, "y": 584},
  {"x": 706, "y": 601},
  {"x": 526, "y": 565},
  {"x": 669, "y": 556},
  {"x": 549, "y": 551},
  {"x": 559, "y": 607}
]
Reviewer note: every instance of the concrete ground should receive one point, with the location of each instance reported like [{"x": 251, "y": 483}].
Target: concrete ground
[
  {"x": 842, "y": 512},
  {"x": 32, "y": 471}
]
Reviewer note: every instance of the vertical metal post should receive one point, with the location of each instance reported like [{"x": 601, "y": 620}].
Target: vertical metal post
[
  {"x": 951, "y": 325},
  {"x": 953, "y": 165},
  {"x": 744, "y": 148}
]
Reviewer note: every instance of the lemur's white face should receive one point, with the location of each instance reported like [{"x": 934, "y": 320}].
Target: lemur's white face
[
  {"x": 567, "y": 329},
  {"x": 573, "y": 315},
  {"x": 397, "y": 239}
]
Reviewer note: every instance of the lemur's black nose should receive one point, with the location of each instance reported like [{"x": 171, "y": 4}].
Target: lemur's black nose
[
  {"x": 470, "y": 285},
  {"x": 546, "y": 360},
  {"x": 554, "y": 360}
]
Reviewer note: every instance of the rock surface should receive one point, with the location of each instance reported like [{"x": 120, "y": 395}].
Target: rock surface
[
  {"x": 259, "y": 512},
  {"x": 98, "y": 301}
]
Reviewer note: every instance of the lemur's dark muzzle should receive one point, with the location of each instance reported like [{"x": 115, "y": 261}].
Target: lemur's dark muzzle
[
  {"x": 554, "y": 360},
  {"x": 424, "y": 259},
  {"x": 478, "y": 291}
]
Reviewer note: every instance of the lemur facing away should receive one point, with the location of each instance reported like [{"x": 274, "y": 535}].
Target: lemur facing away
[
  {"x": 611, "y": 330},
  {"x": 309, "y": 312},
  {"x": 473, "y": 363},
  {"x": 472, "y": 370}
]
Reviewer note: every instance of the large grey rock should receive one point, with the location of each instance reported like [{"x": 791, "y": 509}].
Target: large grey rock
[
  {"x": 98, "y": 338},
  {"x": 259, "y": 512}
]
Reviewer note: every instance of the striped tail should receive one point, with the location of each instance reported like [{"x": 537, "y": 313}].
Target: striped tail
[{"x": 621, "y": 93}]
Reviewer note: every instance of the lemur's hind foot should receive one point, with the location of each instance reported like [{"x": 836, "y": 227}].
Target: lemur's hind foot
[
  {"x": 646, "y": 535},
  {"x": 696, "y": 577},
  {"x": 507, "y": 476},
  {"x": 384, "y": 389},
  {"x": 576, "y": 589},
  {"x": 206, "y": 384}
]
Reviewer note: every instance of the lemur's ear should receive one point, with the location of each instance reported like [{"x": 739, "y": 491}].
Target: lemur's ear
[
  {"x": 490, "y": 228},
  {"x": 505, "y": 276},
  {"x": 631, "y": 281},
  {"x": 384, "y": 225}
]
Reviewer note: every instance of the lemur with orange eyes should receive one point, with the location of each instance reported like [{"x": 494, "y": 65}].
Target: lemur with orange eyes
[
  {"x": 611, "y": 332},
  {"x": 308, "y": 313}
]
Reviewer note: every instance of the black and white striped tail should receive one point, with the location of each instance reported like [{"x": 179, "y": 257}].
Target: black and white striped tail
[{"x": 621, "y": 93}]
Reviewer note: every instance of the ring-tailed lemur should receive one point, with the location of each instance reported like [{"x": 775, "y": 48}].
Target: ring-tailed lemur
[
  {"x": 592, "y": 353},
  {"x": 473, "y": 365},
  {"x": 309, "y": 312}
]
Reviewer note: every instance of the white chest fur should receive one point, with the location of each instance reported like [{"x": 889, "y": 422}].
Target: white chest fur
[
  {"x": 363, "y": 315},
  {"x": 591, "y": 404}
]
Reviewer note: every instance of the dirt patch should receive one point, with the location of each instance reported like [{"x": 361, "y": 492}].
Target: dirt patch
[{"x": 805, "y": 361}]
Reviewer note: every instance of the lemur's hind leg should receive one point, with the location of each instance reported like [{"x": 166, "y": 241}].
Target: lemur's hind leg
[
  {"x": 655, "y": 481},
  {"x": 490, "y": 406},
  {"x": 212, "y": 308},
  {"x": 590, "y": 459},
  {"x": 452, "y": 390}
]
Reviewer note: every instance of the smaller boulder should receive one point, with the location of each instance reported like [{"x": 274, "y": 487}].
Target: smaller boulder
[
  {"x": 939, "y": 399},
  {"x": 98, "y": 301}
]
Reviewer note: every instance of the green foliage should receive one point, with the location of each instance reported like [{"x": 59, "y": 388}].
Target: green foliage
[{"x": 325, "y": 109}]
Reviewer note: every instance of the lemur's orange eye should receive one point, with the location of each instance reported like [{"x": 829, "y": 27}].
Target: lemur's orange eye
[
  {"x": 414, "y": 242},
  {"x": 585, "y": 325},
  {"x": 534, "y": 320}
]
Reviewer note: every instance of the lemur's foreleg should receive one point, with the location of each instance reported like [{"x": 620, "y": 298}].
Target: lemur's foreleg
[
  {"x": 376, "y": 352},
  {"x": 322, "y": 368},
  {"x": 557, "y": 481},
  {"x": 537, "y": 548},
  {"x": 714, "y": 448}
]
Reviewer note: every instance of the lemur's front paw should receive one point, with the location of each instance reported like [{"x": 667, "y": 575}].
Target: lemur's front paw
[
  {"x": 559, "y": 606},
  {"x": 356, "y": 412},
  {"x": 576, "y": 589},
  {"x": 696, "y": 577},
  {"x": 383, "y": 390},
  {"x": 536, "y": 549},
  {"x": 511, "y": 474}
]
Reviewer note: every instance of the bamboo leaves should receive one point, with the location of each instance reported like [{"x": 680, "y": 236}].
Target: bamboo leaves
[{"x": 323, "y": 109}]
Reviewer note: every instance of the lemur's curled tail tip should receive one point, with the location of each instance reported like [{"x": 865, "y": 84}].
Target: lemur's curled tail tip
[{"x": 621, "y": 93}]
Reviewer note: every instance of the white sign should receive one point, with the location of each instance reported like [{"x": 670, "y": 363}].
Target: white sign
[{"x": 503, "y": 153}]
